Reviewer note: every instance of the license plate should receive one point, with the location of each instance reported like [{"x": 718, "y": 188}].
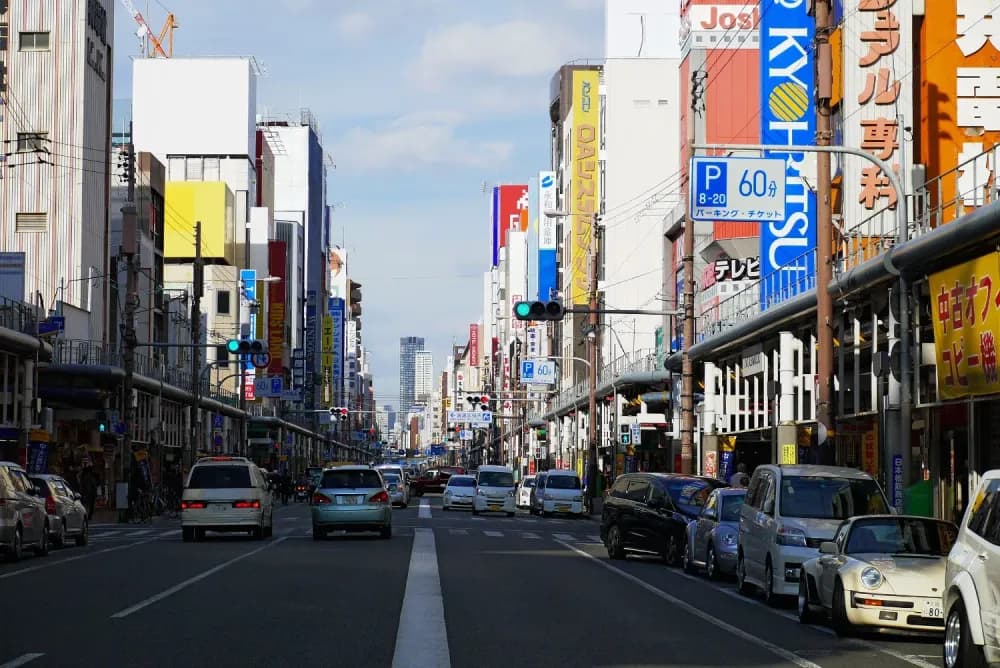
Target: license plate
[
  {"x": 934, "y": 610},
  {"x": 563, "y": 509},
  {"x": 494, "y": 507},
  {"x": 347, "y": 500},
  {"x": 219, "y": 506}
]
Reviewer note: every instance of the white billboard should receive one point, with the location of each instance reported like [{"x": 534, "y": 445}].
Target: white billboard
[{"x": 548, "y": 201}]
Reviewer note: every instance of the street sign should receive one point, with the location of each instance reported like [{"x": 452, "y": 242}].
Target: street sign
[
  {"x": 291, "y": 395},
  {"x": 249, "y": 279},
  {"x": 52, "y": 324},
  {"x": 538, "y": 372},
  {"x": 217, "y": 421},
  {"x": 465, "y": 435},
  {"x": 737, "y": 188},
  {"x": 261, "y": 361},
  {"x": 470, "y": 416},
  {"x": 636, "y": 430},
  {"x": 276, "y": 382}
]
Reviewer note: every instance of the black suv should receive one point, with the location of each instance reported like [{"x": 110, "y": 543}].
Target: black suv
[{"x": 648, "y": 512}]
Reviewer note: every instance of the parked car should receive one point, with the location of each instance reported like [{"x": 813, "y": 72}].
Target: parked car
[
  {"x": 523, "y": 497},
  {"x": 432, "y": 481},
  {"x": 559, "y": 492},
  {"x": 67, "y": 514},
  {"x": 648, "y": 513},
  {"x": 226, "y": 494},
  {"x": 882, "y": 571},
  {"x": 351, "y": 498},
  {"x": 23, "y": 520},
  {"x": 494, "y": 490},
  {"x": 538, "y": 489},
  {"x": 459, "y": 492},
  {"x": 712, "y": 537},
  {"x": 972, "y": 582},
  {"x": 788, "y": 512}
]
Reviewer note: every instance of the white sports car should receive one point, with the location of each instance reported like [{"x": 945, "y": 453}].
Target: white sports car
[{"x": 883, "y": 571}]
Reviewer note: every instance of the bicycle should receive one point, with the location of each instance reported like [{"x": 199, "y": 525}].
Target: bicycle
[{"x": 141, "y": 509}]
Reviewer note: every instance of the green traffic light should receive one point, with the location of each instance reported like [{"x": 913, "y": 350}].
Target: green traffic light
[
  {"x": 522, "y": 310},
  {"x": 233, "y": 346}
]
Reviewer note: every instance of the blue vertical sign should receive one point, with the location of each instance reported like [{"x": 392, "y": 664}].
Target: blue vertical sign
[
  {"x": 248, "y": 279},
  {"x": 548, "y": 272},
  {"x": 495, "y": 219},
  {"x": 311, "y": 333},
  {"x": 896, "y": 482},
  {"x": 788, "y": 117},
  {"x": 337, "y": 310}
]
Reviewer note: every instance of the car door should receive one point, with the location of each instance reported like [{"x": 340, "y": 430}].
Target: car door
[
  {"x": 32, "y": 521},
  {"x": 829, "y": 565},
  {"x": 68, "y": 507},
  {"x": 981, "y": 558},
  {"x": 635, "y": 525},
  {"x": 704, "y": 525},
  {"x": 761, "y": 532}
]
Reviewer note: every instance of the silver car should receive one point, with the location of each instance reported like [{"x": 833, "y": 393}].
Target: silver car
[
  {"x": 351, "y": 498},
  {"x": 67, "y": 515},
  {"x": 399, "y": 495},
  {"x": 23, "y": 521},
  {"x": 712, "y": 537}
]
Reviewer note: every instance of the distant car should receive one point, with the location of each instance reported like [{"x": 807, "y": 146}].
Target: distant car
[
  {"x": 494, "y": 490},
  {"x": 880, "y": 571},
  {"x": 562, "y": 493},
  {"x": 972, "y": 582},
  {"x": 523, "y": 499},
  {"x": 351, "y": 498},
  {"x": 713, "y": 535},
  {"x": 459, "y": 492},
  {"x": 226, "y": 494},
  {"x": 398, "y": 494},
  {"x": 67, "y": 515},
  {"x": 432, "y": 481}
]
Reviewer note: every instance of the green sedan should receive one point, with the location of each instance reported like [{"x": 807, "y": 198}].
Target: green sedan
[{"x": 351, "y": 498}]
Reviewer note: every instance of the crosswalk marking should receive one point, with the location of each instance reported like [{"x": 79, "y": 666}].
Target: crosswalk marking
[
  {"x": 564, "y": 536},
  {"x": 136, "y": 534},
  {"x": 529, "y": 535},
  {"x": 458, "y": 532},
  {"x": 494, "y": 534}
]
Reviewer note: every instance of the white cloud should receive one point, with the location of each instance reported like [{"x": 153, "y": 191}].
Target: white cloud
[
  {"x": 510, "y": 49},
  {"x": 417, "y": 141},
  {"x": 355, "y": 24}
]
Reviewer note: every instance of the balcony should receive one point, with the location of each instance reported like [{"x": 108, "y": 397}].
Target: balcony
[{"x": 18, "y": 316}]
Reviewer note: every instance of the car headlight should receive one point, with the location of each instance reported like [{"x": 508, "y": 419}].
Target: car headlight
[
  {"x": 872, "y": 578},
  {"x": 481, "y": 492},
  {"x": 547, "y": 497},
  {"x": 791, "y": 537},
  {"x": 729, "y": 540}
]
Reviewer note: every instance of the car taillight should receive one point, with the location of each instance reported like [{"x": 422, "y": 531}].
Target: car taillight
[
  {"x": 50, "y": 506},
  {"x": 380, "y": 497},
  {"x": 246, "y": 504},
  {"x": 320, "y": 499},
  {"x": 193, "y": 505}
]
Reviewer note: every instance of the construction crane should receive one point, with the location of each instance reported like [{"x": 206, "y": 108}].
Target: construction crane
[{"x": 145, "y": 33}]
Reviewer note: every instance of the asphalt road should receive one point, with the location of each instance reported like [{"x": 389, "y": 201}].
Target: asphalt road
[{"x": 448, "y": 589}]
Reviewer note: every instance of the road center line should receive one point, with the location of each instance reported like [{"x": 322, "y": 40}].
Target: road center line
[
  {"x": 690, "y": 609},
  {"x": 190, "y": 581},
  {"x": 422, "y": 638},
  {"x": 56, "y": 562},
  {"x": 21, "y": 660},
  {"x": 424, "y": 512}
]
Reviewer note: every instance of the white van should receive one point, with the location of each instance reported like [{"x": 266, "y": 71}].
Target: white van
[
  {"x": 494, "y": 490},
  {"x": 562, "y": 493},
  {"x": 225, "y": 494}
]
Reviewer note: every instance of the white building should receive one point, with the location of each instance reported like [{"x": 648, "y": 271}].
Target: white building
[
  {"x": 423, "y": 385},
  {"x": 57, "y": 132}
]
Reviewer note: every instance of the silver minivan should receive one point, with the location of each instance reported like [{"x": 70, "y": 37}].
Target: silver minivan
[
  {"x": 789, "y": 510},
  {"x": 23, "y": 520}
]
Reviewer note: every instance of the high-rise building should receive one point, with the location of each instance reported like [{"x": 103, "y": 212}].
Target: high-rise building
[
  {"x": 423, "y": 375},
  {"x": 390, "y": 413},
  {"x": 408, "y": 348}
]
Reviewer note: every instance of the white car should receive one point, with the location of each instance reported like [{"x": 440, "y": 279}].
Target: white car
[
  {"x": 494, "y": 490},
  {"x": 561, "y": 493},
  {"x": 459, "y": 492},
  {"x": 225, "y": 494},
  {"x": 882, "y": 571},
  {"x": 972, "y": 582},
  {"x": 524, "y": 488}
]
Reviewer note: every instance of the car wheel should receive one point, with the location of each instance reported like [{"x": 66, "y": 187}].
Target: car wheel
[
  {"x": 616, "y": 550},
  {"x": 959, "y": 650},
  {"x": 43, "y": 546},
  {"x": 711, "y": 565},
  {"x": 688, "y": 560},
  {"x": 385, "y": 532},
  {"x": 806, "y": 614},
  {"x": 770, "y": 597},
  {"x": 258, "y": 531},
  {"x": 840, "y": 624},
  {"x": 16, "y": 548},
  {"x": 187, "y": 534},
  {"x": 742, "y": 585},
  {"x": 199, "y": 534},
  {"x": 673, "y": 552}
]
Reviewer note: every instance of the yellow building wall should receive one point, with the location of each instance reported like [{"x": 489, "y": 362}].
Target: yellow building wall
[{"x": 212, "y": 203}]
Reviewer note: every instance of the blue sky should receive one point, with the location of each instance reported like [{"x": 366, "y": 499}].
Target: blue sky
[{"x": 420, "y": 102}]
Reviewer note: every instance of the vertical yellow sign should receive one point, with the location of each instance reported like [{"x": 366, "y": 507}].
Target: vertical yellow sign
[
  {"x": 327, "y": 343},
  {"x": 585, "y": 188}
]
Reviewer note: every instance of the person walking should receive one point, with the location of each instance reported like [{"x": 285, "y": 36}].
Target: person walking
[
  {"x": 88, "y": 488},
  {"x": 739, "y": 479}
]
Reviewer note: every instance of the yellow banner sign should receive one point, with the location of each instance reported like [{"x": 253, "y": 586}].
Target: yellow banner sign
[
  {"x": 327, "y": 356},
  {"x": 966, "y": 314},
  {"x": 585, "y": 188}
]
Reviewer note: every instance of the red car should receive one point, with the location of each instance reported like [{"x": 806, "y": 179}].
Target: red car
[{"x": 432, "y": 480}]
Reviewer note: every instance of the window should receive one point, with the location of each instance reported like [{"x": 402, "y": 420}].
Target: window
[
  {"x": 222, "y": 302},
  {"x": 731, "y": 508},
  {"x": 563, "y": 482},
  {"x": 637, "y": 490},
  {"x": 985, "y": 511},
  {"x": 828, "y": 498},
  {"x": 355, "y": 479},
  {"x": 220, "y": 477},
  {"x": 28, "y": 142},
  {"x": 496, "y": 479},
  {"x": 34, "y": 41},
  {"x": 222, "y": 355},
  {"x": 4, "y": 34},
  {"x": 462, "y": 482},
  {"x": 30, "y": 222},
  {"x": 689, "y": 494},
  {"x": 901, "y": 536},
  {"x": 620, "y": 488}
]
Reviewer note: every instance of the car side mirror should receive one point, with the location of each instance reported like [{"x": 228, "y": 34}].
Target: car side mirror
[{"x": 828, "y": 547}]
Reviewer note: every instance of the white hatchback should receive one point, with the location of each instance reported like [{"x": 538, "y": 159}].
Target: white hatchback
[
  {"x": 563, "y": 494},
  {"x": 459, "y": 492},
  {"x": 225, "y": 494},
  {"x": 524, "y": 491},
  {"x": 494, "y": 490}
]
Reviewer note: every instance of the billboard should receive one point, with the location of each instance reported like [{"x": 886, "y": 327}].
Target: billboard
[
  {"x": 311, "y": 333},
  {"x": 474, "y": 345},
  {"x": 788, "y": 117},
  {"x": 585, "y": 188},
  {"x": 547, "y": 243},
  {"x": 495, "y": 224},
  {"x": 337, "y": 276},
  {"x": 337, "y": 310},
  {"x": 510, "y": 212},
  {"x": 277, "y": 252},
  {"x": 210, "y": 202},
  {"x": 327, "y": 343}
]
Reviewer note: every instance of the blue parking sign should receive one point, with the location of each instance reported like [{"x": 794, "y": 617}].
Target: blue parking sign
[{"x": 712, "y": 180}]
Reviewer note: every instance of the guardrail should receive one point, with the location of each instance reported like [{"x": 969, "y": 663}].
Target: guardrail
[{"x": 18, "y": 316}]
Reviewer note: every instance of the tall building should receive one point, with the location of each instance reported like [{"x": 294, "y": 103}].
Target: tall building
[
  {"x": 423, "y": 375},
  {"x": 54, "y": 225},
  {"x": 390, "y": 414},
  {"x": 408, "y": 348}
]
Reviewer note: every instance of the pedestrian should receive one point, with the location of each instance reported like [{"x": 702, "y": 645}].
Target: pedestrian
[
  {"x": 88, "y": 488},
  {"x": 740, "y": 478}
]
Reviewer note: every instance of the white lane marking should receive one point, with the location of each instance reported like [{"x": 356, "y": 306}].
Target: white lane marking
[
  {"x": 528, "y": 519},
  {"x": 136, "y": 534},
  {"x": 104, "y": 534},
  {"x": 21, "y": 660},
  {"x": 596, "y": 539},
  {"x": 478, "y": 519},
  {"x": 564, "y": 536},
  {"x": 458, "y": 532},
  {"x": 56, "y": 562},
  {"x": 424, "y": 512},
  {"x": 494, "y": 534},
  {"x": 172, "y": 532},
  {"x": 692, "y": 610},
  {"x": 190, "y": 581},
  {"x": 908, "y": 658},
  {"x": 422, "y": 638},
  {"x": 530, "y": 535}
]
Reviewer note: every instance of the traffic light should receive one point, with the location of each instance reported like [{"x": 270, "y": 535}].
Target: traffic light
[
  {"x": 480, "y": 401},
  {"x": 551, "y": 310},
  {"x": 102, "y": 422},
  {"x": 246, "y": 347},
  {"x": 338, "y": 413}
]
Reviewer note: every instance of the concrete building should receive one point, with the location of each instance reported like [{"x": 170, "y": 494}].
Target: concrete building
[
  {"x": 423, "y": 375},
  {"x": 408, "y": 347}
]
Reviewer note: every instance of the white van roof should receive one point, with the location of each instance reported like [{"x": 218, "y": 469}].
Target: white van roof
[
  {"x": 494, "y": 467},
  {"x": 568, "y": 472}
]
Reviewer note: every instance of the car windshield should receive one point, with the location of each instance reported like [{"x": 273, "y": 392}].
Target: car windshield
[
  {"x": 828, "y": 498},
  {"x": 562, "y": 482},
  {"x": 220, "y": 477},
  {"x": 731, "y": 508},
  {"x": 390, "y": 478},
  {"x": 461, "y": 482},
  {"x": 496, "y": 479},
  {"x": 529, "y": 483},
  {"x": 903, "y": 535},
  {"x": 360, "y": 479},
  {"x": 689, "y": 494}
]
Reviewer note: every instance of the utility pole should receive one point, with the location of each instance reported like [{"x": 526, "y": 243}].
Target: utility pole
[
  {"x": 824, "y": 229},
  {"x": 592, "y": 342},
  {"x": 197, "y": 292},
  {"x": 687, "y": 368},
  {"x": 244, "y": 362},
  {"x": 130, "y": 247}
]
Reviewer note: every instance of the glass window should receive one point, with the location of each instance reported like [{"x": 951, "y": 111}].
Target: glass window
[
  {"x": 563, "y": 482},
  {"x": 390, "y": 478},
  {"x": 222, "y": 302},
  {"x": 828, "y": 498},
  {"x": 753, "y": 491},
  {"x": 28, "y": 142},
  {"x": 767, "y": 493},
  {"x": 496, "y": 479},
  {"x": 21, "y": 481},
  {"x": 357, "y": 479},
  {"x": 34, "y": 41},
  {"x": 529, "y": 483},
  {"x": 220, "y": 477},
  {"x": 4, "y": 33},
  {"x": 982, "y": 506},
  {"x": 731, "y": 505},
  {"x": 901, "y": 536},
  {"x": 658, "y": 496},
  {"x": 620, "y": 487},
  {"x": 43, "y": 485},
  {"x": 689, "y": 494},
  {"x": 637, "y": 490},
  {"x": 461, "y": 482}
]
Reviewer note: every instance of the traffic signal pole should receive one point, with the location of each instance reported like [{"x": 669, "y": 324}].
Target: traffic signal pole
[
  {"x": 592, "y": 343},
  {"x": 198, "y": 285}
]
